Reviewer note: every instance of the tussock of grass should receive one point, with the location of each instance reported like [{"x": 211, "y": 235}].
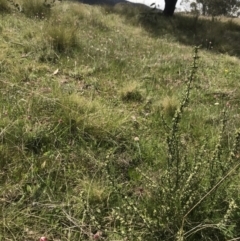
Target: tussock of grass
[
  {"x": 36, "y": 9},
  {"x": 61, "y": 37},
  {"x": 4, "y": 6},
  {"x": 132, "y": 93},
  {"x": 99, "y": 131},
  {"x": 169, "y": 106}
]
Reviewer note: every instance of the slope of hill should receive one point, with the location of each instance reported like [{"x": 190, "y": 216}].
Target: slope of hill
[{"x": 113, "y": 128}]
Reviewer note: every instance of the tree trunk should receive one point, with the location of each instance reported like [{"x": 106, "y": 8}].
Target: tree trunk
[
  {"x": 169, "y": 7},
  {"x": 204, "y": 7}
]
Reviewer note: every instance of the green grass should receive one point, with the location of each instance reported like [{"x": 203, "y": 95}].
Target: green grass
[{"x": 97, "y": 131}]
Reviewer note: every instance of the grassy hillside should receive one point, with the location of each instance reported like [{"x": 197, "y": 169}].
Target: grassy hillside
[{"x": 114, "y": 127}]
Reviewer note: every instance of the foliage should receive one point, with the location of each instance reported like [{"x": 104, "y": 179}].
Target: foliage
[{"x": 216, "y": 7}]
